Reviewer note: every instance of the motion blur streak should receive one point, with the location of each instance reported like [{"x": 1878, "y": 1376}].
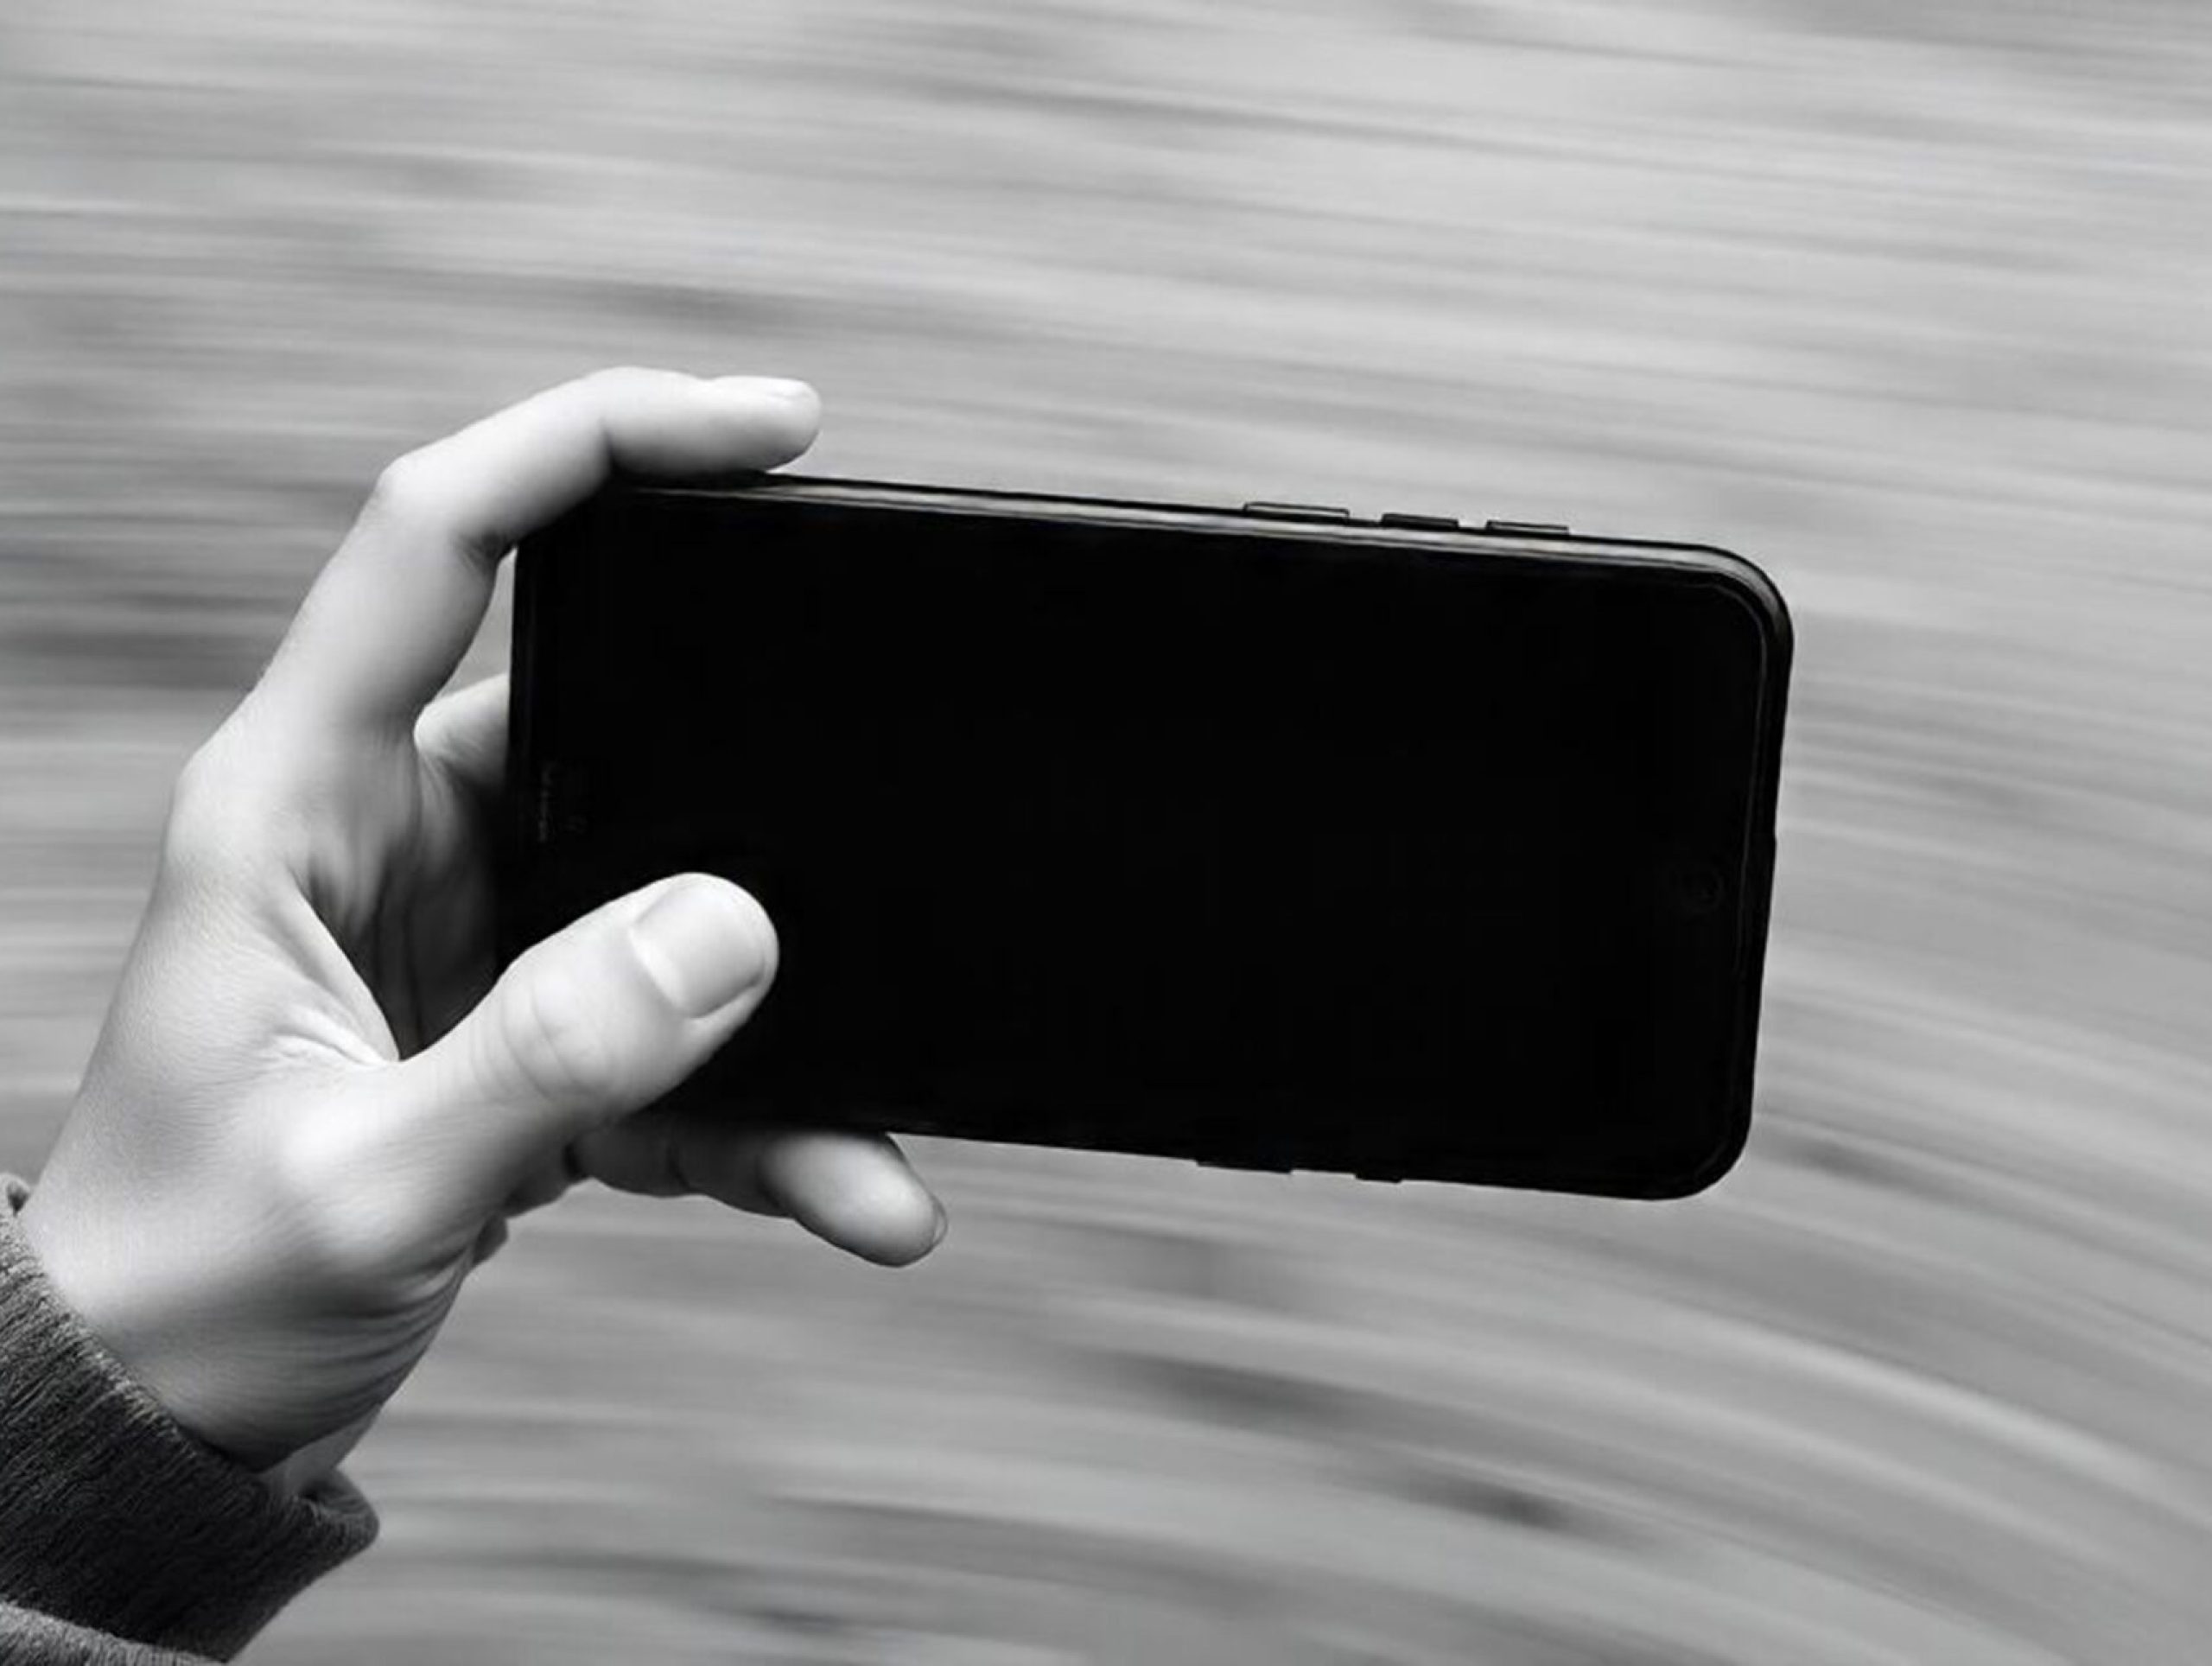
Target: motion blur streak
[{"x": 1907, "y": 300}]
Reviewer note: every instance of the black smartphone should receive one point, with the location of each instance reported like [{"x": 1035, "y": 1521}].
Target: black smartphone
[{"x": 1267, "y": 836}]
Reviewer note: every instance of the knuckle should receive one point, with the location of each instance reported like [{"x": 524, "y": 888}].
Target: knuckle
[
  {"x": 209, "y": 826},
  {"x": 193, "y": 801},
  {"x": 406, "y": 492},
  {"x": 400, "y": 482},
  {"x": 616, "y": 381},
  {"x": 556, "y": 1031}
]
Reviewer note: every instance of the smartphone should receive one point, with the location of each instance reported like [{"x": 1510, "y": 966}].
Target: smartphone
[{"x": 1269, "y": 837}]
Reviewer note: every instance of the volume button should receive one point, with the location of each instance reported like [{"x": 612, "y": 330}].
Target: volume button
[{"x": 1298, "y": 512}]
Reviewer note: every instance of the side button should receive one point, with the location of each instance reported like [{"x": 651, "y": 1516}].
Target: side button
[
  {"x": 1529, "y": 529},
  {"x": 1298, "y": 511},
  {"x": 1431, "y": 523}
]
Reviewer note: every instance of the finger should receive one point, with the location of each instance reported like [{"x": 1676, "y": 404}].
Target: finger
[
  {"x": 854, "y": 1190},
  {"x": 389, "y": 618},
  {"x": 588, "y": 1026},
  {"x": 546, "y": 1183},
  {"x": 464, "y": 732},
  {"x": 489, "y": 1241}
]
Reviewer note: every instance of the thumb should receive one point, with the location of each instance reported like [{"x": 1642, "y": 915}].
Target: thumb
[{"x": 592, "y": 1023}]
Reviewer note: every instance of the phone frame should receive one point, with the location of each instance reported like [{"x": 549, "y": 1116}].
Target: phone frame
[{"x": 533, "y": 818}]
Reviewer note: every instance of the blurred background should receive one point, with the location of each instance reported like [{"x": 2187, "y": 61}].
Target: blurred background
[{"x": 1908, "y": 301}]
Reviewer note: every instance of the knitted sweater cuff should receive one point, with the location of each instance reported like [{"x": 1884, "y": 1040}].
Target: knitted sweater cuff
[{"x": 111, "y": 1516}]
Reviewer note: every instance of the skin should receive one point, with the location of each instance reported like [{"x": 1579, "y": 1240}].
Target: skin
[{"x": 312, "y": 1109}]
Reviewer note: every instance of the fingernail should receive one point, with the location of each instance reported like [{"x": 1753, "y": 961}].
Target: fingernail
[
  {"x": 937, "y": 1232},
  {"x": 701, "y": 943},
  {"x": 771, "y": 387}
]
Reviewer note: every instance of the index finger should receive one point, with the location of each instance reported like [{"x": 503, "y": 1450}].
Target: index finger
[{"x": 391, "y": 615}]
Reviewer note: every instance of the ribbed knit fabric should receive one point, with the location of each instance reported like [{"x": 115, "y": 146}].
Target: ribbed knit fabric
[{"x": 123, "y": 1540}]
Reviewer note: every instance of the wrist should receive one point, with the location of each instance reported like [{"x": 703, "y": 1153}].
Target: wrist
[
  {"x": 114, "y": 1516},
  {"x": 71, "y": 1279},
  {"x": 169, "y": 1353}
]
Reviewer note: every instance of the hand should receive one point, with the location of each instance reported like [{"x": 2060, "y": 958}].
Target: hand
[{"x": 311, "y": 1109}]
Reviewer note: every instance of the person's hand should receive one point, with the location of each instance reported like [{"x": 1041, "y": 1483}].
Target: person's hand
[{"x": 311, "y": 1109}]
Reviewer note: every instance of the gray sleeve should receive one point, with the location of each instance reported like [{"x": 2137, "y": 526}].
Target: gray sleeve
[
  {"x": 30, "y": 1638},
  {"x": 123, "y": 1542}
]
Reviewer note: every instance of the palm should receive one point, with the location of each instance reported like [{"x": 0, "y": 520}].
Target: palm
[{"x": 409, "y": 896}]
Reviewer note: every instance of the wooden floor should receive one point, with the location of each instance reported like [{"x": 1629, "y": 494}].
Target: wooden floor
[{"x": 1907, "y": 302}]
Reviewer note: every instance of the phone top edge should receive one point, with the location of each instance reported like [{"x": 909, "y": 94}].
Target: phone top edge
[
  {"x": 1748, "y": 584},
  {"x": 1513, "y": 535},
  {"x": 777, "y": 483}
]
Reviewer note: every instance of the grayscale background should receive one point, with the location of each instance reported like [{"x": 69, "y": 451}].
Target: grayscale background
[{"x": 1912, "y": 302}]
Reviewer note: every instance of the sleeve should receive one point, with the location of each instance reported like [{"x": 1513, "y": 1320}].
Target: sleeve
[{"x": 123, "y": 1540}]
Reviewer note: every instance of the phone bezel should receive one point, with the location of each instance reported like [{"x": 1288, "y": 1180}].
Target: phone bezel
[{"x": 533, "y": 822}]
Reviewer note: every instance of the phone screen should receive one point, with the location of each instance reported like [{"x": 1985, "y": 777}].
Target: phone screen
[{"x": 1251, "y": 846}]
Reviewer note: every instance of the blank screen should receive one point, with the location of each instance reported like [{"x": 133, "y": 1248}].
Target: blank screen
[{"x": 1245, "y": 845}]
